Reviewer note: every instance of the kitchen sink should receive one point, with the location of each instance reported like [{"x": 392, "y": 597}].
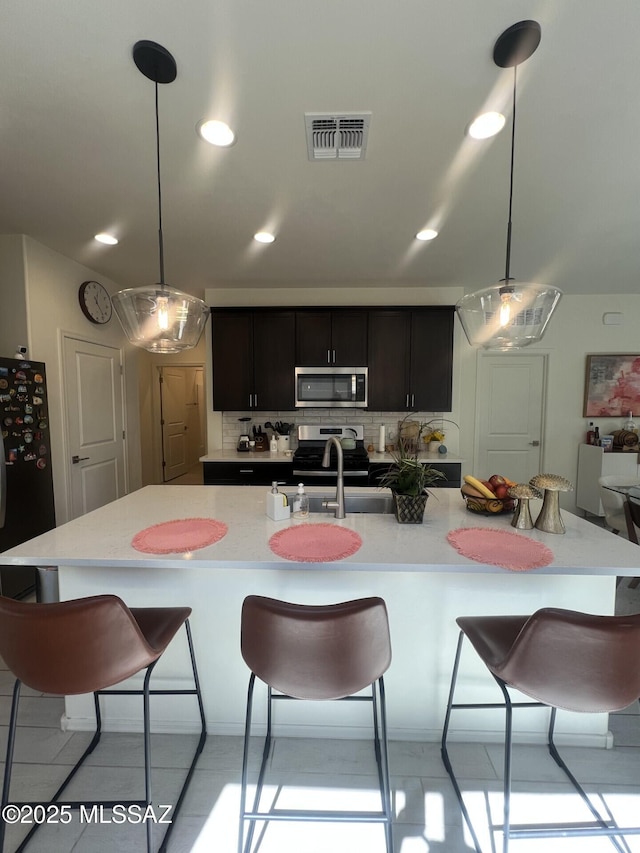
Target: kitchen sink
[{"x": 380, "y": 504}]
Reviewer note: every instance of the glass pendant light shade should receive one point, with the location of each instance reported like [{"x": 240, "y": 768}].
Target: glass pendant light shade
[
  {"x": 160, "y": 319},
  {"x": 507, "y": 317}
]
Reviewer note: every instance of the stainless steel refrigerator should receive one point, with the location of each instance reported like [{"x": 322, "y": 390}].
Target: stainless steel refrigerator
[{"x": 26, "y": 482}]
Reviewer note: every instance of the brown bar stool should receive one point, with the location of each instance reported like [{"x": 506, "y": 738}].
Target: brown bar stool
[
  {"x": 316, "y": 652},
  {"x": 562, "y": 659},
  {"x": 86, "y": 646}
]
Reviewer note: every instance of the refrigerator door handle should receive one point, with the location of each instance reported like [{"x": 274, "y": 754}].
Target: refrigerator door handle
[{"x": 3, "y": 484}]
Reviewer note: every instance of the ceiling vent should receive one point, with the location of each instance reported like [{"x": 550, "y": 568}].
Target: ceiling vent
[{"x": 337, "y": 137}]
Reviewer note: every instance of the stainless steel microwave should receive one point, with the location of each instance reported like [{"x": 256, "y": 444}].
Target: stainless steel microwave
[{"x": 330, "y": 387}]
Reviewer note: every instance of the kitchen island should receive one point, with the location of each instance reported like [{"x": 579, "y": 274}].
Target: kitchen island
[{"x": 424, "y": 580}]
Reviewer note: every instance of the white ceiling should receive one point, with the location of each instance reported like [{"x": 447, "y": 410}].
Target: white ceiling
[{"x": 77, "y": 141}]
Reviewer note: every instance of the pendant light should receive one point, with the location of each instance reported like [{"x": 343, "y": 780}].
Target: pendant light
[
  {"x": 508, "y": 315},
  {"x": 159, "y": 318}
]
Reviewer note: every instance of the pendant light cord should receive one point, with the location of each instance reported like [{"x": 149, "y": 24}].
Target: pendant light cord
[
  {"x": 160, "y": 241},
  {"x": 507, "y": 277}
]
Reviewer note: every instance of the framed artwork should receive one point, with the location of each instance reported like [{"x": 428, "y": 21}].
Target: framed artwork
[{"x": 612, "y": 386}]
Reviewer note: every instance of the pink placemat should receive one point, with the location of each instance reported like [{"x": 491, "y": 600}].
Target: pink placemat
[
  {"x": 500, "y": 548},
  {"x": 176, "y": 537},
  {"x": 315, "y": 543}
]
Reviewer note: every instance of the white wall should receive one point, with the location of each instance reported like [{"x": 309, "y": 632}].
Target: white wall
[
  {"x": 49, "y": 288},
  {"x": 13, "y": 304}
]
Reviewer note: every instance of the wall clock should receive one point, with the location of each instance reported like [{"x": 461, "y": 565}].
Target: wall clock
[{"x": 95, "y": 302}]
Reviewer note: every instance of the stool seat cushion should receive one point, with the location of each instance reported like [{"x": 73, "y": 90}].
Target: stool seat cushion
[
  {"x": 570, "y": 660},
  {"x": 316, "y": 651},
  {"x": 83, "y": 645}
]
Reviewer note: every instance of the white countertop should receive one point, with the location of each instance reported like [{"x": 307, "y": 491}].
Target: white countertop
[
  {"x": 246, "y": 456},
  {"x": 102, "y": 538}
]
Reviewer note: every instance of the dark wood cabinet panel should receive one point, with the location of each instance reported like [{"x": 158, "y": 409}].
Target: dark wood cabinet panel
[
  {"x": 253, "y": 359},
  {"x": 410, "y": 359},
  {"x": 349, "y": 337},
  {"x": 274, "y": 359},
  {"x": 388, "y": 360},
  {"x": 232, "y": 342},
  {"x": 431, "y": 365},
  {"x": 313, "y": 338},
  {"x": 331, "y": 337},
  {"x": 249, "y": 473},
  {"x": 452, "y": 471}
]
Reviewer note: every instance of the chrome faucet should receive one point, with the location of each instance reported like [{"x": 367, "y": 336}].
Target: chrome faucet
[{"x": 338, "y": 503}]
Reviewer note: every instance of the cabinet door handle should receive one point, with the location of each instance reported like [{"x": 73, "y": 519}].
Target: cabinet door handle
[
  {"x": 255, "y": 401},
  {"x": 334, "y": 355},
  {"x": 328, "y": 356},
  {"x": 407, "y": 403},
  {"x": 413, "y": 400},
  {"x": 250, "y": 399}
]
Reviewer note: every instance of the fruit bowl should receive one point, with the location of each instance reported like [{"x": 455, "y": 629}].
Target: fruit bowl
[{"x": 487, "y": 506}]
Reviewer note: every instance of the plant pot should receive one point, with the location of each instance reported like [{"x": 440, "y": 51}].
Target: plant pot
[
  {"x": 409, "y": 509},
  {"x": 434, "y": 446}
]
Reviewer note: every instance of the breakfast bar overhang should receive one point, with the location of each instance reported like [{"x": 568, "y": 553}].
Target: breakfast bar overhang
[{"x": 425, "y": 582}]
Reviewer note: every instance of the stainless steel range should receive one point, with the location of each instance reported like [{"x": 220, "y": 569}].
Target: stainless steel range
[{"x": 307, "y": 459}]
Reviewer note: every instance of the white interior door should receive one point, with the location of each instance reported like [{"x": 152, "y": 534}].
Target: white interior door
[
  {"x": 175, "y": 396},
  {"x": 95, "y": 418},
  {"x": 510, "y": 396}
]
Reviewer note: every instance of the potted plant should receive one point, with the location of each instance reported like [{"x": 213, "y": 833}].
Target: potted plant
[{"x": 409, "y": 480}]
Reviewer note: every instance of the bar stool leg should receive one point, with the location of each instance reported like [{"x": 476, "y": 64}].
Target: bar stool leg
[
  {"x": 508, "y": 742},
  {"x": 11, "y": 738},
  {"x": 244, "y": 815},
  {"x": 383, "y": 749},
  {"x": 443, "y": 746}
]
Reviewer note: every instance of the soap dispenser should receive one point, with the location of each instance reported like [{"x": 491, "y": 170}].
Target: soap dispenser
[
  {"x": 278, "y": 508},
  {"x": 301, "y": 503}
]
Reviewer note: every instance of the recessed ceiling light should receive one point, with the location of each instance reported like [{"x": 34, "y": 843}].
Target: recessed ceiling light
[
  {"x": 264, "y": 237},
  {"x": 427, "y": 234},
  {"x": 217, "y": 133},
  {"x": 486, "y": 125},
  {"x": 107, "y": 239}
]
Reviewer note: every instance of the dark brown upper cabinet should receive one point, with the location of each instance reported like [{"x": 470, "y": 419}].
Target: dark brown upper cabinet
[
  {"x": 410, "y": 359},
  {"x": 253, "y": 359},
  {"x": 336, "y": 337}
]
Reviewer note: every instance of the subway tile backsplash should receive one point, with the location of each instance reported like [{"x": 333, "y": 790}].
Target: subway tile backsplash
[{"x": 372, "y": 421}]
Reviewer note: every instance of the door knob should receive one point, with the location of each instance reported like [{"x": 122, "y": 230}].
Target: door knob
[
  {"x": 534, "y": 443},
  {"x": 76, "y": 459}
]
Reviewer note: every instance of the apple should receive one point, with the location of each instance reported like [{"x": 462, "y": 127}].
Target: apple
[
  {"x": 502, "y": 491},
  {"x": 497, "y": 480},
  {"x": 489, "y": 485}
]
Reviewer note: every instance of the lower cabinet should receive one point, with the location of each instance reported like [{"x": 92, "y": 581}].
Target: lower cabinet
[
  {"x": 252, "y": 473},
  {"x": 452, "y": 471},
  {"x": 248, "y": 473}
]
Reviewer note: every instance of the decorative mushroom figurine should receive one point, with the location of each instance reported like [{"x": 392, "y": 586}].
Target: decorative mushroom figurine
[
  {"x": 549, "y": 518},
  {"x": 523, "y": 492}
]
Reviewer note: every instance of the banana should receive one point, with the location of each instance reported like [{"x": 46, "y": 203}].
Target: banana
[
  {"x": 470, "y": 492},
  {"x": 479, "y": 486}
]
